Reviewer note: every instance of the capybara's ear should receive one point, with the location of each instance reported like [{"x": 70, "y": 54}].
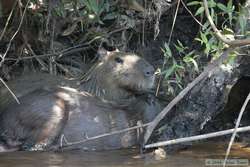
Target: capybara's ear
[
  {"x": 103, "y": 53},
  {"x": 116, "y": 50}
]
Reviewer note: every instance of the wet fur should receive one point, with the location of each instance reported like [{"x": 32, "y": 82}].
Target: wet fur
[
  {"x": 45, "y": 116},
  {"x": 49, "y": 113}
]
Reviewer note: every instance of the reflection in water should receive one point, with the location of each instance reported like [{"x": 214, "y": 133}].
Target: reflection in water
[{"x": 192, "y": 157}]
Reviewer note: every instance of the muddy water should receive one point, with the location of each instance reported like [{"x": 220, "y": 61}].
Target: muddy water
[{"x": 192, "y": 157}]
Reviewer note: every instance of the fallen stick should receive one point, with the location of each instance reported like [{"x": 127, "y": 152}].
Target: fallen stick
[
  {"x": 67, "y": 143},
  {"x": 198, "y": 137}
]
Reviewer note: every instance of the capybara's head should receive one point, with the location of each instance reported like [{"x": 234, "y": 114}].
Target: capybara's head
[
  {"x": 118, "y": 73},
  {"x": 127, "y": 70}
]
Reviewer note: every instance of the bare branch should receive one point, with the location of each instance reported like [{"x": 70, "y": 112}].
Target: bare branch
[
  {"x": 198, "y": 137},
  {"x": 10, "y": 91}
]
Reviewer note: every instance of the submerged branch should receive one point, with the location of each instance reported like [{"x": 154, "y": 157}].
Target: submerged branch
[{"x": 198, "y": 137}]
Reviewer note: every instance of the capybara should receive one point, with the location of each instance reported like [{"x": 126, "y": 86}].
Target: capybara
[{"x": 53, "y": 116}]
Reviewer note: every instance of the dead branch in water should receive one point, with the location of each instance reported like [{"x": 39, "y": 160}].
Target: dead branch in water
[
  {"x": 236, "y": 128},
  {"x": 198, "y": 137},
  {"x": 209, "y": 69}
]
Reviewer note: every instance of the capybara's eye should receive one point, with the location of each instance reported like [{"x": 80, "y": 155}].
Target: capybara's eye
[{"x": 118, "y": 60}]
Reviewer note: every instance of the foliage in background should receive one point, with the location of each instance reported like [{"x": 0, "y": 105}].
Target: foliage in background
[
  {"x": 179, "y": 69},
  {"x": 224, "y": 15},
  {"x": 183, "y": 67}
]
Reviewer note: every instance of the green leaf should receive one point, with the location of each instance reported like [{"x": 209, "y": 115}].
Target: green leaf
[
  {"x": 196, "y": 68},
  {"x": 167, "y": 73},
  {"x": 180, "y": 48},
  {"x": 230, "y": 4},
  {"x": 222, "y": 7},
  {"x": 199, "y": 11},
  {"x": 178, "y": 79},
  {"x": 194, "y": 3},
  {"x": 243, "y": 24},
  {"x": 211, "y": 4},
  {"x": 204, "y": 38},
  {"x": 206, "y": 25},
  {"x": 167, "y": 51}
]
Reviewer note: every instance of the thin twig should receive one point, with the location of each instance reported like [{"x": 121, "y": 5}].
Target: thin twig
[
  {"x": 169, "y": 40},
  {"x": 105, "y": 135},
  {"x": 69, "y": 50},
  {"x": 209, "y": 69},
  {"x": 198, "y": 137},
  {"x": 58, "y": 54},
  {"x": 236, "y": 129},
  {"x": 19, "y": 27},
  {"x": 33, "y": 53},
  {"x": 197, "y": 21},
  {"x": 175, "y": 16},
  {"x": 143, "y": 24},
  {"x": 64, "y": 52},
  {"x": 10, "y": 91},
  {"x": 218, "y": 34}
]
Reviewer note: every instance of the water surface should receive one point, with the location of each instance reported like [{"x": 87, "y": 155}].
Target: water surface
[{"x": 191, "y": 157}]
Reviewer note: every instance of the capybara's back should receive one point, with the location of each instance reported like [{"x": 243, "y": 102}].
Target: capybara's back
[{"x": 57, "y": 118}]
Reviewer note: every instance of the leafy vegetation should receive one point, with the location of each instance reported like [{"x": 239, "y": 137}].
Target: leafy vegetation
[{"x": 184, "y": 66}]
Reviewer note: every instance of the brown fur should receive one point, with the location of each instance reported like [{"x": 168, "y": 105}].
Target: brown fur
[{"x": 48, "y": 114}]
